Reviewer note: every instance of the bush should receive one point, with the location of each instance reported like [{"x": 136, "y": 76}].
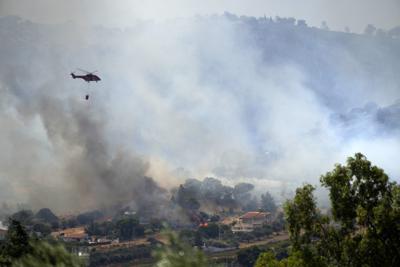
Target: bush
[
  {"x": 122, "y": 255},
  {"x": 46, "y": 255},
  {"x": 179, "y": 254},
  {"x": 210, "y": 231},
  {"x": 19, "y": 250},
  {"x": 248, "y": 257}
]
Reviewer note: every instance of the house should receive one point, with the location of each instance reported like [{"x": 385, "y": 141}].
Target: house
[
  {"x": 228, "y": 220},
  {"x": 3, "y": 233},
  {"x": 130, "y": 213},
  {"x": 251, "y": 220}
]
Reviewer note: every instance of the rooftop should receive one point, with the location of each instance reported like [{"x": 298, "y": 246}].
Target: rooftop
[
  {"x": 255, "y": 215},
  {"x": 2, "y": 226}
]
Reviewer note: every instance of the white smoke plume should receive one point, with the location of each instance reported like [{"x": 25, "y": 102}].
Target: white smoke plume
[{"x": 235, "y": 98}]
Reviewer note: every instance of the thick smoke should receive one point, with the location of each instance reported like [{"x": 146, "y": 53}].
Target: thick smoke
[
  {"x": 241, "y": 99},
  {"x": 58, "y": 153},
  {"x": 91, "y": 173}
]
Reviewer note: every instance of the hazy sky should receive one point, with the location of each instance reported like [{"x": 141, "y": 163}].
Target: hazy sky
[{"x": 355, "y": 14}]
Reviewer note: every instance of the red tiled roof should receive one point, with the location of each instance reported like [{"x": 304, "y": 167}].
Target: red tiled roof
[{"x": 255, "y": 214}]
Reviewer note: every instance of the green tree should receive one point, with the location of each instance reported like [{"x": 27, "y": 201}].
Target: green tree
[
  {"x": 46, "y": 255},
  {"x": 45, "y": 215},
  {"x": 365, "y": 205},
  {"x": 100, "y": 229},
  {"x": 21, "y": 251},
  {"x": 209, "y": 231},
  {"x": 268, "y": 202},
  {"x": 42, "y": 228},
  {"x": 248, "y": 257},
  {"x": 179, "y": 254},
  {"x": 267, "y": 259},
  {"x": 187, "y": 198},
  {"x": 128, "y": 228},
  {"x": 16, "y": 244},
  {"x": 23, "y": 216},
  {"x": 89, "y": 217},
  {"x": 364, "y": 228},
  {"x": 301, "y": 215}
]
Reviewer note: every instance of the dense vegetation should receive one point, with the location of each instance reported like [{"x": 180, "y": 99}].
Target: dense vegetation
[
  {"x": 211, "y": 192},
  {"x": 179, "y": 254},
  {"x": 363, "y": 228},
  {"x": 20, "y": 250},
  {"x": 121, "y": 255}
]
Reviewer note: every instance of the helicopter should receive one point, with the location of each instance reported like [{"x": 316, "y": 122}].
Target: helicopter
[{"x": 89, "y": 77}]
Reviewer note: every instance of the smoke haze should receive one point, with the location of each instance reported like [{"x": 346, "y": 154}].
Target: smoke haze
[{"x": 237, "y": 99}]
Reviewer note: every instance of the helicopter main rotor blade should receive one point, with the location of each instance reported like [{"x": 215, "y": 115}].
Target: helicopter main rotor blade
[{"x": 87, "y": 72}]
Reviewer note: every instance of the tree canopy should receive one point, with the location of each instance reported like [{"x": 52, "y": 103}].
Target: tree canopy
[
  {"x": 47, "y": 216},
  {"x": 179, "y": 254},
  {"x": 364, "y": 228},
  {"x": 21, "y": 250},
  {"x": 268, "y": 202}
]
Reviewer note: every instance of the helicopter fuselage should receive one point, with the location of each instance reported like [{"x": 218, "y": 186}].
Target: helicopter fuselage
[{"x": 87, "y": 78}]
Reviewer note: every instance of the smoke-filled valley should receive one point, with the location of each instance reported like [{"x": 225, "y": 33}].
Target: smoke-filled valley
[{"x": 271, "y": 102}]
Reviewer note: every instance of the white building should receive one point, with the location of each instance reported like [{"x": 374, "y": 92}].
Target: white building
[
  {"x": 251, "y": 220},
  {"x": 3, "y": 231}
]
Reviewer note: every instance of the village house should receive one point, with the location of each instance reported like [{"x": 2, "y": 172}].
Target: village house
[
  {"x": 3, "y": 231},
  {"x": 250, "y": 221}
]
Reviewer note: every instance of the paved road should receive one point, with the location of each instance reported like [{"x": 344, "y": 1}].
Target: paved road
[{"x": 281, "y": 237}]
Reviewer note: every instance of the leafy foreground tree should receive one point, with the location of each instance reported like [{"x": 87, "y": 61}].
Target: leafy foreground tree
[
  {"x": 179, "y": 254},
  {"x": 47, "y": 255},
  {"x": 21, "y": 251},
  {"x": 268, "y": 259},
  {"x": 364, "y": 229},
  {"x": 248, "y": 257},
  {"x": 16, "y": 244}
]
